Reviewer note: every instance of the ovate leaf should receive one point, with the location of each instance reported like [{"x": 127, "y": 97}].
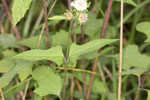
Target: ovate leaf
[
  {"x": 144, "y": 27},
  {"x": 54, "y": 54},
  {"x": 26, "y": 71},
  {"x": 19, "y": 9},
  {"x": 6, "y": 65},
  {"x": 135, "y": 62},
  {"x": 32, "y": 42},
  {"x": 48, "y": 81},
  {"x": 133, "y": 58},
  {"x": 77, "y": 50},
  {"x": 7, "y": 77},
  {"x": 7, "y": 40},
  {"x": 61, "y": 38}
]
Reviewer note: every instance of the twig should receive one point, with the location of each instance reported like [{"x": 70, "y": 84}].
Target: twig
[
  {"x": 101, "y": 36},
  {"x": 78, "y": 85},
  {"x": 141, "y": 83},
  {"x": 43, "y": 27},
  {"x": 121, "y": 51},
  {"x": 46, "y": 23},
  {"x": 40, "y": 37},
  {"x": 37, "y": 22},
  {"x": 2, "y": 94},
  {"x": 101, "y": 72},
  {"x": 49, "y": 12},
  {"x": 106, "y": 19},
  {"x": 91, "y": 79},
  {"x": 77, "y": 70},
  {"x": 11, "y": 22},
  {"x": 108, "y": 73},
  {"x": 26, "y": 89},
  {"x": 83, "y": 63},
  {"x": 72, "y": 88}
]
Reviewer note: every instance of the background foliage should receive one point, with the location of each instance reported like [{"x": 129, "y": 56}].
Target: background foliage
[{"x": 68, "y": 64}]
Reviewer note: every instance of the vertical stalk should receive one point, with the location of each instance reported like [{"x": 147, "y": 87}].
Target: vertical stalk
[
  {"x": 107, "y": 18},
  {"x": 136, "y": 18},
  {"x": 121, "y": 51},
  {"x": 46, "y": 22},
  {"x": 101, "y": 36},
  {"x": 2, "y": 94},
  {"x": 67, "y": 60}
]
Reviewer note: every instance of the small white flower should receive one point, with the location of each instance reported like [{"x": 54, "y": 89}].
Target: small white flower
[
  {"x": 80, "y": 5},
  {"x": 83, "y": 17}
]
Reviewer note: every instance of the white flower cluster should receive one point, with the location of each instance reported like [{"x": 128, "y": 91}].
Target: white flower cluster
[
  {"x": 79, "y": 12},
  {"x": 80, "y": 5}
]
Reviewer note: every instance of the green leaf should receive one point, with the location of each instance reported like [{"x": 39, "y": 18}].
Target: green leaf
[
  {"x": 78, "y": 50},
  {"x": 19, "y": 9},
  {"x": 148, "y": 95},
  {"x": 133, "y": 58},
  {"x": 131, "y": 2},
  {"x": 13, "y": 90},
  {"x": 7, "y": 40},
  {"x": 32, "y": 42},
  {"x": 8, "y": 53},
  {"x": 61, "y": 38},
  {"x": 26, "y": 71},
  {"x": 57, "y": 18},
  {"x": 6, "y": 65},
  {"x": 54, "y": 54},
  {"x": 7, "y": 77},
  {"x": 144, "y": 27},
  {"x": 37, "y": 97},
  {"x": 92, "y": 26},
  {"x": 48, "y": 81}
]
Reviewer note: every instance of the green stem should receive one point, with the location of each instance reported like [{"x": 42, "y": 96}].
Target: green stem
[
  {"x": 114, "y": 78},
  {"x": 67, "y": 60},
  {"x": 136, "y": 18},
  {"x": 134, "y": 11}
]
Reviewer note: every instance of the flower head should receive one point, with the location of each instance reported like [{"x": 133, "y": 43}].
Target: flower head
[
  {"x": 80, "y": 5},
  {"x": 83, "y": 17},
  {"x": 69, "y": 15}
]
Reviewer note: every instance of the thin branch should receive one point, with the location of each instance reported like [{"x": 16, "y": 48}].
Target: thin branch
[
  {"x": 108, "y": 73},
  {"x": 37, "y": 22},
  {"x": 2, "y": 94},
  {"x": 72, "y": 88},
  {"x": 43, "y": 27},
  {"x": 83, "y": 63},
  {"x": 10, "y": 19},
  {"x": 121, "y": 51},
  {"x": 101, "y": 72},
  {"x": 106, "y": 19},
  {"x": 40, "y": 37},
  {"x": 11, "y": 22},
  {"x": 49, "y": 12},
  {"x": 46, "y": 23},
  {"x": 141, "y": 83},
  {"x": 101, "y": 36},
  {"x": 26, "y": 89},
  {"x": 91, "y": 79},
  {"x": 78, "y": 85}
]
